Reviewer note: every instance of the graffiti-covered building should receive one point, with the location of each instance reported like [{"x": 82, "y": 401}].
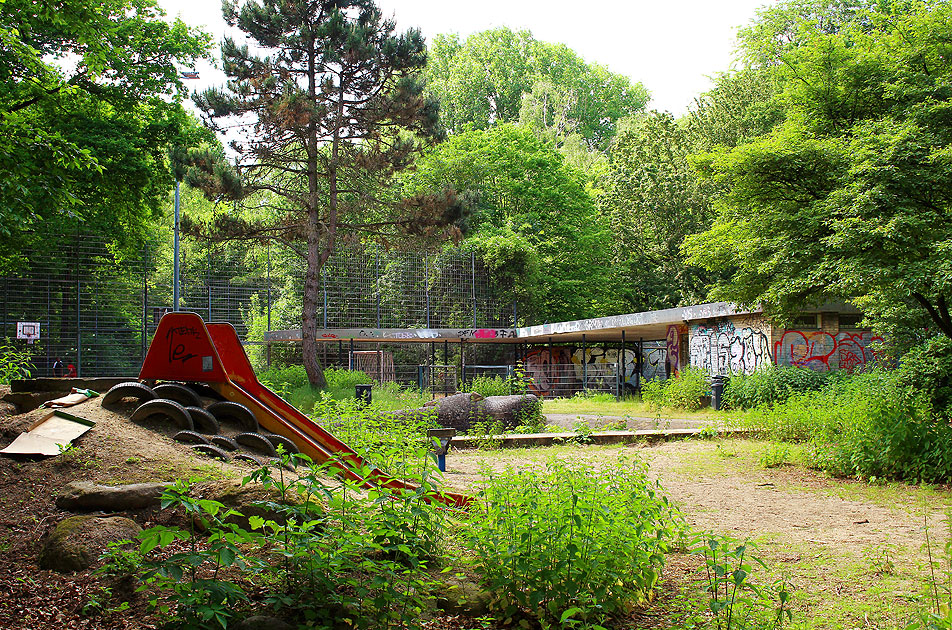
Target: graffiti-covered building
[
  {"x": 822, "y": 340},
  {"x": 612, "y": 354}
]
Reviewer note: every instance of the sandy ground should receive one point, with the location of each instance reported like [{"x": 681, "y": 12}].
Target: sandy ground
[{"x": 824, "y": 535}]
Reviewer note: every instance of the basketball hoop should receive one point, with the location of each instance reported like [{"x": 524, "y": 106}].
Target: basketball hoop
[{"x": 28, "y": 330}]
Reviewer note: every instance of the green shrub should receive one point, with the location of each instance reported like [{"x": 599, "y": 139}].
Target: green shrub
[
  {"x": 491, "y": 386},
  {"x": 14, "y": 363},
  {"x": 927, "y": 368},
  {"x": 685, "y": 391},
  {"x": 866, "y": 425},
  {"x": 348, "y": 557},
  {"x": 569, "y": 544},
  {"x": 771, "y": 385},
  {"x": 390, "y": 440}
]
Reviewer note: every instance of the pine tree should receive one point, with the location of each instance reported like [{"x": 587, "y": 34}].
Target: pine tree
[{"x": 329, "y": 106}]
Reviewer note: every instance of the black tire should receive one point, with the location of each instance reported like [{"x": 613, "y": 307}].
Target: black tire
[
  {"x": 205, "y": 391},
  {"x": 227, "y": 411},
  {"x": 165, "y": 408},
  {"x": 190, "y": 437},
  {"x": 179, "y": 393},
  {"x": 211, "y": 451},
  {"x": 224, "y": 442},
  {"x": 257, "y": 460},
  {"x": 132, "y": 389},
  {"x": 204, "y": 422},
  {"x": 257, "y": 442},
  {"x": 275, "y": 439}
]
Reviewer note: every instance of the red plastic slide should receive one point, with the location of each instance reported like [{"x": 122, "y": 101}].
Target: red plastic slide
[{"x": 186, "y": 349}]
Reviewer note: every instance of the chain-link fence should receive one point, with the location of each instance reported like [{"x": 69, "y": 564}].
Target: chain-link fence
[{"x": 97, "y": 309}]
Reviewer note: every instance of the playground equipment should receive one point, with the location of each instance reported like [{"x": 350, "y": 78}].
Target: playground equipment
[{"x": 187, "y": 350}]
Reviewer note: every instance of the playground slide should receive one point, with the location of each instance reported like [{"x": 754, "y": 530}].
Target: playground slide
[{"x": 186, "y": 349}]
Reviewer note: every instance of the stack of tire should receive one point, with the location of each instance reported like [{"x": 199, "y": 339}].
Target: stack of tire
[{"x": 222, "y": 429}]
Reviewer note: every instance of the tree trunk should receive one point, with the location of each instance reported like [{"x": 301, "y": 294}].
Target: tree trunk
[
  {"x": 315, "y": 259},
  {"x": 315, "y": 373}
]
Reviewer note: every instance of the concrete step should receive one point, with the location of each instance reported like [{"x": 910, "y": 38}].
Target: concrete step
[{"x": 598, "y": 437}]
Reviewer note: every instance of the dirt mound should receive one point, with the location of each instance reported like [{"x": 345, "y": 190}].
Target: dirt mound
[{"x": 115, "y": 451}]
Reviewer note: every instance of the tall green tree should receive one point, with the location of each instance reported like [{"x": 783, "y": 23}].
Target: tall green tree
[
  {"x": 332, "y": 106},
  {"x": 851, "y": 196},
  {"x": 654, "y": 196},
  {"x": 530, "y": 218},
  {"x": 88, "y": 111},
  {"x": 500, "y": 75}
]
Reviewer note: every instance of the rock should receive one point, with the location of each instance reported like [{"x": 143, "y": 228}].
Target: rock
[
  {"x": 84, "y": 496},
  {"x": 28, "y": 401},
  {"x": 262, "y": 622},
  {"x": 460, "y": 596},
  {"x": 78, "y": 541}
]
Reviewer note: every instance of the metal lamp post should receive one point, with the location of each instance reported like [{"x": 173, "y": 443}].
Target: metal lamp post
[{"x": 175, "y": 228}]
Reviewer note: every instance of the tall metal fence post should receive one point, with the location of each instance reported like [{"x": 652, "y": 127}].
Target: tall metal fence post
[
  {"x": 426, "y": 286},
  {"x": 324, "y": 286},
  {"x": 145, "y": 310},
  {"x": 472, "y": 263},
  {"x": 377, "y": 287},
  {"x": 584, "y": 364},
  {"x": 208, "y": 281},
  {"x": 79, "y": 323}
]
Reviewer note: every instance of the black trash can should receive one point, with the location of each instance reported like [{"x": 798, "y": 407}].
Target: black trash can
[
  {"x": 717, "y": 390},
  {"x": 363, "y": 394}
]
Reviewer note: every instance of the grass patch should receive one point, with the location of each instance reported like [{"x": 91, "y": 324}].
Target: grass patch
[{"x": 630, "y": 406}]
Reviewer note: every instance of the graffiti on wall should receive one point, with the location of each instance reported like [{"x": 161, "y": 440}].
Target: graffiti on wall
[
  {"x": 673, "y": 346},
  {"x": 729, "y": 347},
  {"x": 548, "y": 369},
  {"x": 566, "y": 370},
  {"x": 822, "y": 351}
]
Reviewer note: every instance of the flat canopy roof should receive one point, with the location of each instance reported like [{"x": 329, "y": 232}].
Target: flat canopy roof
[{"x": 649, "y": 325}]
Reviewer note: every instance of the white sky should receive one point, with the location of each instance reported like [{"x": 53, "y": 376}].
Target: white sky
[{"x": 671, "y": 47}]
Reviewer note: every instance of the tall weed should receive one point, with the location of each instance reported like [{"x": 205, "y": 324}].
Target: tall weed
[
  {"x": 867, "y": 425},
  {"x": 685, "y": 391},
  {"x": 773, "y": 384},
  {"x": 14, "y": 363},
  {"x": 570, "y": 544},
  {"x": 348, "y": 557}
]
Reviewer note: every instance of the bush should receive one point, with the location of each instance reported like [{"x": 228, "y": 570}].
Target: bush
[
  {"x": 927, "y": 368},
  {"x": 391, "y": 441},
  {"x": 772, "y": 385},
  {"x": 867, "y": 425},
  {"x": 348, "y": 557},
  {"x": 14, "y": 363},
  {"x": 685, "y": 391},
  {"x": 570, "y": 544},
  {"x": 491, "y": 386}
]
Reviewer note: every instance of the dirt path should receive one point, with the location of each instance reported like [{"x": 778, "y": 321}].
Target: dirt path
[{"x": 853, "y": 551}]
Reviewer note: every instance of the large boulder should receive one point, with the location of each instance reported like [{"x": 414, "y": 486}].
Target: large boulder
[
  {"x": 85, "y": 496},
  {"x": 77, "y": 542}
]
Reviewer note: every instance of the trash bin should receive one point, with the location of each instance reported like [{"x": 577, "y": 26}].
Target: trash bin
[
  {"x": 363, "y": 394},
  {"x": 717, "y": 390}
]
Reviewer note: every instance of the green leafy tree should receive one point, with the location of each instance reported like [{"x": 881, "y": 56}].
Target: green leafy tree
[
  {"x": 530, "y": 218},
  {"x": 86, "y": 117},
  {"x": 500, "y": 76},
  {"x": 850, "y": 196},
  {"x": 331, "y": 103},
  {"x": 654, "y": 198}
]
